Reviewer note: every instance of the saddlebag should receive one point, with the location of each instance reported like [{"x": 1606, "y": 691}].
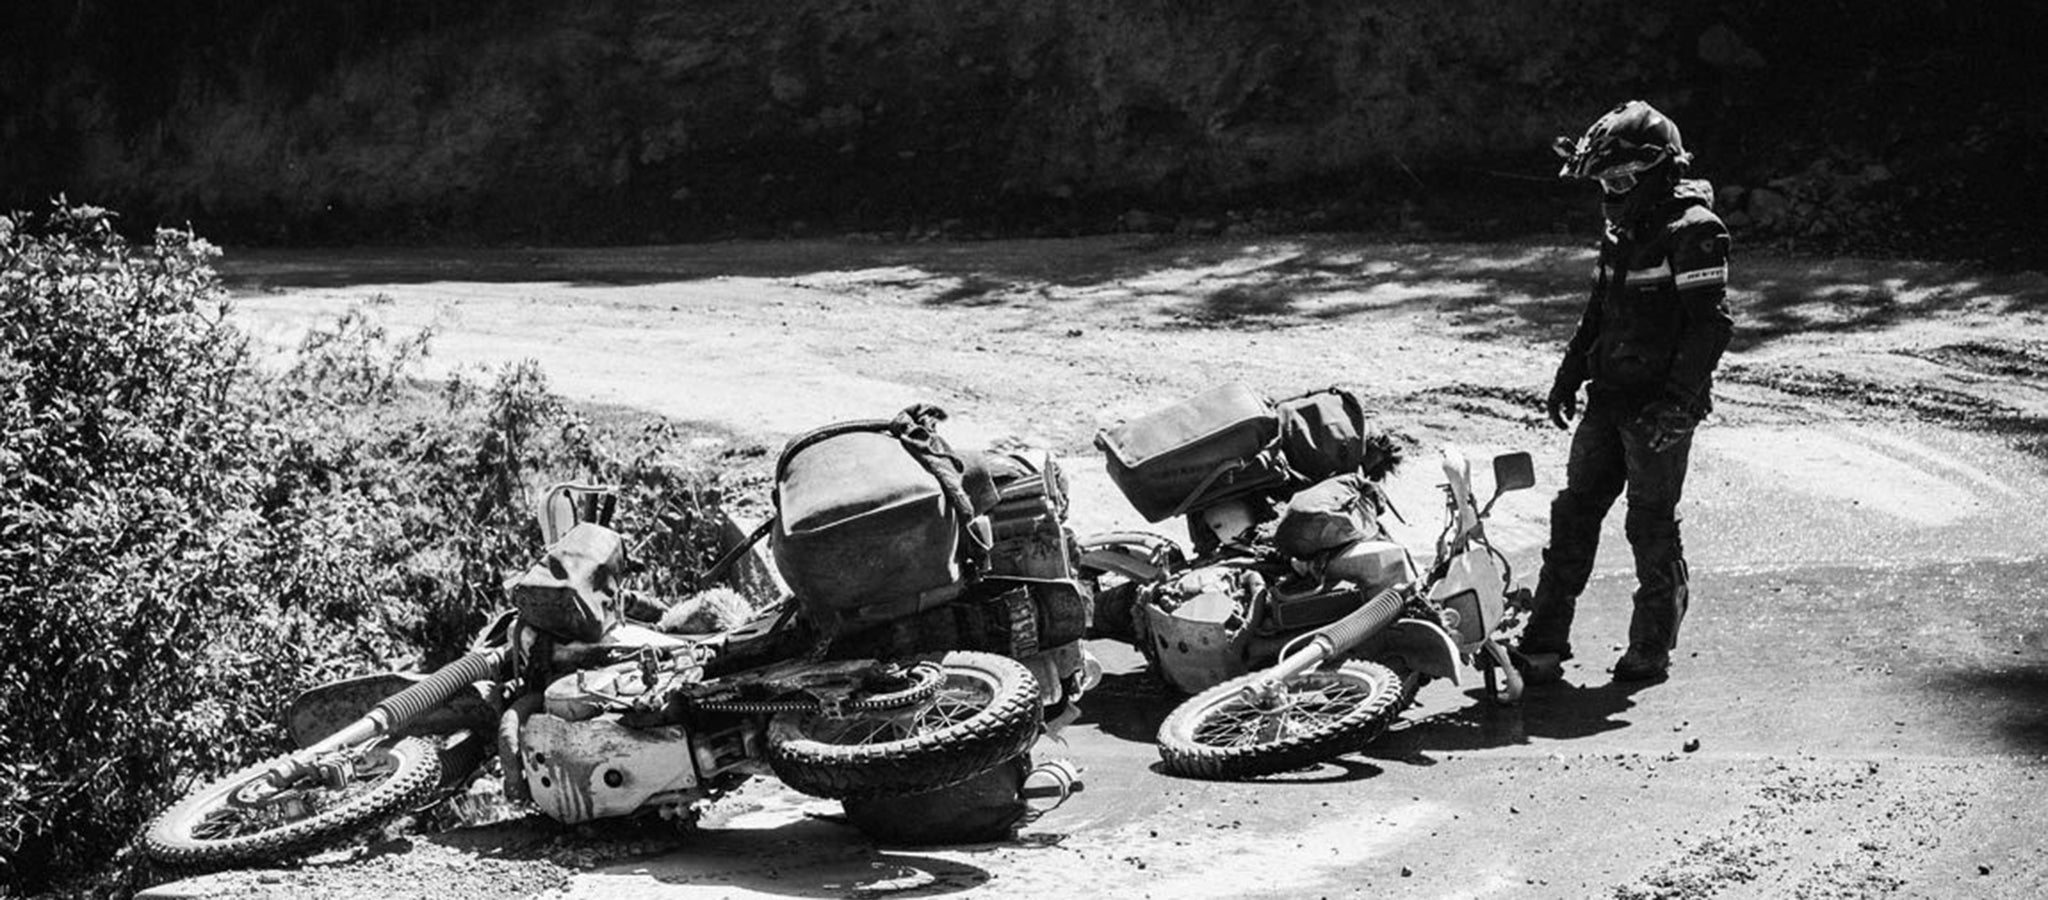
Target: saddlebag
[
  {"x": 1209, "y": 447},
  {"x": 1029, "y": 520},
  {"x": 874, "y": 520}
]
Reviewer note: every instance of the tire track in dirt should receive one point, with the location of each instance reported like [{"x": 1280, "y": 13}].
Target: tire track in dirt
[{"x": 1995, "y": 386}]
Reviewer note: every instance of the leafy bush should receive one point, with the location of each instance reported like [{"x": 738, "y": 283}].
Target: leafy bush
[{"x": 186, "y": 540}]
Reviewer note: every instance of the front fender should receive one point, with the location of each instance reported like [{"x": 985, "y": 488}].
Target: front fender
[{"x": 1416, "y": 644}]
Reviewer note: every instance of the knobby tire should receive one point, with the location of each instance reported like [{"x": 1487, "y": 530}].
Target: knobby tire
[
  {"x": 987, "y": 712},
  {"x": 175, "y": 839},
  {"x": 1219, "y": 735}
]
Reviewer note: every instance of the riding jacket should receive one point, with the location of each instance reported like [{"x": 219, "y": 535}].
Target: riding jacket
[{"x": 1657, "y": 321}]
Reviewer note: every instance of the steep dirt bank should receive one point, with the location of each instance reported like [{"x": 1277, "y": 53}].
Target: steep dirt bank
[
  {"x": 643, "y": 121},
  {"x": 1858, "y": 710}
]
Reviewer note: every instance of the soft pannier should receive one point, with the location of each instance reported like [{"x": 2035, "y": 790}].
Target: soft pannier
[{"x": 1210, "y": 447}]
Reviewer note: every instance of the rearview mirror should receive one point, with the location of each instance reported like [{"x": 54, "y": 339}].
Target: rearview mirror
[{"x": 1513, "y": 472}]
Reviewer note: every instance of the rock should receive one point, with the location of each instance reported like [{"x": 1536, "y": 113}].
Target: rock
[
  {"x": 1767, "y": 207},
  {"x": 1147, "y": 222},
  {"x": 1722, "y": 48},
  {"x": 1692, "y": 745},
  {"x": 788, "y": 88}
]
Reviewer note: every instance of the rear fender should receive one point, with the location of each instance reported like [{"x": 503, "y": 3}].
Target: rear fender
[{"x": 1137, "y": 555}]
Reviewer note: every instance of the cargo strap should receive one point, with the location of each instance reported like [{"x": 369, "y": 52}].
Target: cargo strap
[
  {"x": 719, "y": 566},
  {"x": 1225, "y": 468}
]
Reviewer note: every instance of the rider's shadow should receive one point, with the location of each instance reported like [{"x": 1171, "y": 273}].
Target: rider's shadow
[
  {"x": 1555, "y": 712},
  {"x": 785, "y": 849}
]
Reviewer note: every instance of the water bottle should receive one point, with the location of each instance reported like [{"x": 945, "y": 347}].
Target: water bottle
[
  {"x": 1091, "y": 671},
  {"x": 1047, "y": 786}
]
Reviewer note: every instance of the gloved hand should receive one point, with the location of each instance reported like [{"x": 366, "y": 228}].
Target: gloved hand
[
  {"x": 1563, "y": 402},
  {"x": 1667, "y": 424}
]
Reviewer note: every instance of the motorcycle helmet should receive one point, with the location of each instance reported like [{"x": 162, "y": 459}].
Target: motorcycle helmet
[{"x": 1629, "y": 140}]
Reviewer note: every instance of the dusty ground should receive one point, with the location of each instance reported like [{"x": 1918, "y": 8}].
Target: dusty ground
[{"x": 1861, "y": 703}]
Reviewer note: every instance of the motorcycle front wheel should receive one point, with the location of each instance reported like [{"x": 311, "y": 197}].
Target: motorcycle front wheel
[
  {"x": 243, "y": 820},
  {"x": 1223, "y": 733},
  {"x": 986, "y": 711}
]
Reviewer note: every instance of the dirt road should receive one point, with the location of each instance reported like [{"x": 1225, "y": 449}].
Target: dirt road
[{"x": 1860, "y": 706}]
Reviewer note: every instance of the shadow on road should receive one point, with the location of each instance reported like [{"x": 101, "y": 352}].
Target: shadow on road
[
  {"x": 1129, "y": 705},
  {"x": 1554, "y": 712},
  {"x": 1516, "y": 291},
  {"x": 1330, "y": 771},
  {"x": 784, "y": 854},
  {"x": 2012, "y": 702}
]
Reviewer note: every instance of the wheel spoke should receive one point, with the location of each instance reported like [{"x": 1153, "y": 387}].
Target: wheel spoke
[
  {"x": 266, "y": 812},
  {"x": 1303, "y": 706},
  {"x": 960, "y": 700}
]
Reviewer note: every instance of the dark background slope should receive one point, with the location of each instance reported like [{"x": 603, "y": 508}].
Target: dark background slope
[{"x": 1887, "y": 126}]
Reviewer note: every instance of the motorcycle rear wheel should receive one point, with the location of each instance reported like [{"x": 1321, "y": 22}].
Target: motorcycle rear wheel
[
  {"x": 1221, "y": 734},
  {"x": 987, "y": 711},
  {"x": 226, "y": 823}
]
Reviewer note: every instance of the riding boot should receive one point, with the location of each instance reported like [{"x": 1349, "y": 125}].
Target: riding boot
[
  {"x": 1554, "y": 606},
  {"x": 1661, "y": 598},
  {"x": 1660, "y": 607},
  {"x": 1567, "y": 566}
]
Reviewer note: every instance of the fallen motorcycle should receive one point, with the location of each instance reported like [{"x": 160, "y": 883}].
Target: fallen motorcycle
[
  {"x": 1282, "y": 502},
  {"x": 593, "y": 715},
  {"x": 1293, "y": 587},
  {"x": 1335, "y": 689}
]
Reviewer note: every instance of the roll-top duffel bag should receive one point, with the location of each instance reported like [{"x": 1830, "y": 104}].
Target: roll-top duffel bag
[
  {"x": 876, "y": 520},
  {"x": 1214, "y": 445}
]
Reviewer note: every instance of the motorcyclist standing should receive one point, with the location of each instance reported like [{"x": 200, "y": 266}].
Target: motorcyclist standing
[{"x": 1646, "y": 348}]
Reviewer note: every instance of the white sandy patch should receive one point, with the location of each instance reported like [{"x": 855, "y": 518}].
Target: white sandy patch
[{"x": 1878, "y": 472}]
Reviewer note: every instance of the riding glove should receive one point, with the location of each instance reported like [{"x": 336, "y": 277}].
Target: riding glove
[
  {"x": 1667, "y": 424},
  {"x": 1563, "y": 402}
]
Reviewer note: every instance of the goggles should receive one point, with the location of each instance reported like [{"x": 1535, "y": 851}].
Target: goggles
[
  {"x": 1617, "y": 182},
  {"x": 1623, "y": 158}
]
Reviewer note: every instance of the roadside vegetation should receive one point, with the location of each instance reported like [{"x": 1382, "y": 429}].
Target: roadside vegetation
[{"x": 187, "y": 539}]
